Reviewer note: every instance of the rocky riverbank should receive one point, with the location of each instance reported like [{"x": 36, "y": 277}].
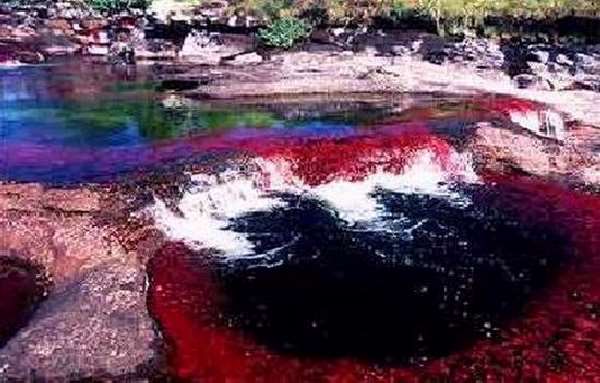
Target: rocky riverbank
[{"x": 93, "y": 320}]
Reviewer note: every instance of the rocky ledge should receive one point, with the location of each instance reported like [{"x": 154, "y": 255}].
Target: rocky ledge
[{"x": 92, "y": 319}]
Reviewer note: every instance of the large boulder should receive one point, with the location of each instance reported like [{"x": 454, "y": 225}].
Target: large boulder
[{"x": 213, "y": 48}]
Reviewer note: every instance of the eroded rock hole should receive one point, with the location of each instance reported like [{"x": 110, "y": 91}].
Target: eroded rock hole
[{"x": 22, "y": 288}]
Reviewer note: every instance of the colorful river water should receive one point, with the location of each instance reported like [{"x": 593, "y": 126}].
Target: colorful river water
[{"x": 347, "y": 241}]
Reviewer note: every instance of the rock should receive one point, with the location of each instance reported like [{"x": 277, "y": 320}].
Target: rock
[
  {"x": 213, "y": 10},
  {"x": 538, "y": 56},
  {"x": 558, "y": 78},
  {"x": 337, "y": 32},
  {"x": 563, "y": 59},
  {"x": 93, "y": 23},
  {"x": 155, "y": 49},
  {"x": 556, "y": 68},
  {"x": 529, "y": 81},
  {"x": 94, "y": 319},
  {"x": 98, "y": 50},
  {"x": 251, "y": 58},
  {"x": 242, "y": 21},
  {"x": 435, "y": 57},
  {"x": 416, "y": 45},
  {"x": 122, "y": 53},
  {"x": 592, "y": 84},
  {"x": 99, "y": 323},
  {"x": 212, "y": 48},
  {"x": 30, "y": 57},
  {"x": 537, "y": 67},
  {"x": 62, "y": 50},
  {"x": 583, "y": 59},
  {"x": 399, "y": 50},
  {"x": 371, "y": 50}
]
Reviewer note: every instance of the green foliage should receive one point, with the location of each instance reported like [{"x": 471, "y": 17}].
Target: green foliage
[
  {"x": 270, "y": 9},
  {"x": 444, "y": 12},
  {"x": 285, "y": 32},
  {"x": 118, "y": 5}
]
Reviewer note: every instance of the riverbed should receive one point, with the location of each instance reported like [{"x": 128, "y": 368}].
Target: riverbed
[{"x": 340, "y": 237}]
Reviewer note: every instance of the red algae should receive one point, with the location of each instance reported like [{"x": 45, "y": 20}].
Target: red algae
[{"x": 557, "y": 339}]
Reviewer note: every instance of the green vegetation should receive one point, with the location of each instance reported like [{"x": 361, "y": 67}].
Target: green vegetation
[
  {"x": 456, "y": 14},
  {"x": 447, "y": 14},
  {"x": 118, "y": 5},
  {"x": 285, "y": 32}
]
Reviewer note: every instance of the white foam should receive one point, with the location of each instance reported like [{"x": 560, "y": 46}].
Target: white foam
[
  {"x": 208, "y": 208},
  {"x": 424, "y": 175},
  {"x": 215, "y": 200}
]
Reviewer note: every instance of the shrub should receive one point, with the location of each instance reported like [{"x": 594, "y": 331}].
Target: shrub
[
  {"x": 118, "y": 5},
  {"x": 285, "y": 32}
]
